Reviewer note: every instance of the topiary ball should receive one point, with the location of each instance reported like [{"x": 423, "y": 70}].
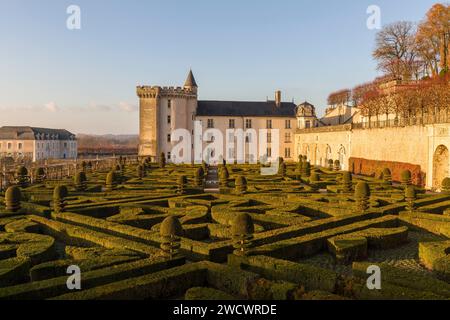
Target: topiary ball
[
  {"x": 242, "y": 224},
  {"x": 60, "y": 192},
  {"x": 13, "y": 196},
  {"x": 171, "y": 227},
  {"x": 22, "y": 171},
  {"x": 406, "y": 176},
  {"x": 446, "y": 185}
]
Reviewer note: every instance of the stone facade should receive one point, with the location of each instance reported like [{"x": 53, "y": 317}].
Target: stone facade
[
  {"x": 166, "y": 109},
  {"x": 37, "y": 144},
  {"x": 424, "y": 145}
]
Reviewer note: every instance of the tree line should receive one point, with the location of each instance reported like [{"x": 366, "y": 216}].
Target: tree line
[{"x": 415, "y": 61}]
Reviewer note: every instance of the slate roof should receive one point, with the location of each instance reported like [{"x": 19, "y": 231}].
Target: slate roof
[
  {"x": 245, "y": 109},
  {"x": 32, "y": 133},
  {"x": 190, "y": 81}
]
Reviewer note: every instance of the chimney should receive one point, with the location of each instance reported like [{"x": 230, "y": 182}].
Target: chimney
[{"x": 278, "y": 98}]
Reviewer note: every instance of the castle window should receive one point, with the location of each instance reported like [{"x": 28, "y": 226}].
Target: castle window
[
  {"x": 269, "y": 124},
  {"x": 168, "y": 138},
  {"x": 169, "y": 103},
  {"x": 269, "y": 137},
  {"x": 168, "y": 155},
  {"x": 19, "y": 146},
  {"x": 248, "y": 123},
  {"x": 269, "y": 152},
  {"x": 288, "y": 124},
  {"x": 287, "y": 152},
  {"x": 210, "y": 123},
  {"x": 307, "y": 124},
  {"x": 287, "y": 137},
  {"x": 231, "y": 124},
  {"x": 9, "y": 145},
  {"x": 169, "y": 119}
]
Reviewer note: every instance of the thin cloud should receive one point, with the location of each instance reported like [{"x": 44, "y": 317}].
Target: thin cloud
[
  {"x": 99, "y": 107},
  {"x": 128, "y": 107},
  {"x": 51, "y": 107}
]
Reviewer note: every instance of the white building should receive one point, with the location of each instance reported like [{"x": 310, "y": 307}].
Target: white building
[{"x": 37, "y": 143}]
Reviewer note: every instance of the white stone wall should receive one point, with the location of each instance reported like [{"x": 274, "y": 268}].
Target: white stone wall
[
  {"x": 55, "y": 149},
  {"x": 412, "y": 144}
]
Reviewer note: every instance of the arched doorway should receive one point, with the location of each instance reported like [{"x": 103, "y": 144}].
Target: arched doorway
[{"x": 440, "y": 166}]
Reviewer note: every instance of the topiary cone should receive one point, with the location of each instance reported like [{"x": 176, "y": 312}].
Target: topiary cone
[
  {"x": 111, "y": 181},
  {"x": 347, "y": 182},
  {"x": 410, "y": 196},
  {"x": 60, "y": 193},
  {"x": 80, "y": 181},
  {"x": 362, "y": 195},
  {"x": 406, "y": 178},
  {"x": 387, "y": 176},
  {"x": 182, "y": 181},
  {"x": 240, "y": 184},
  {"x": 242, "y": 229},
  {"x": 170, "y": 232},
  {"x": 199, "y": 176},
  {"x": 140, "y": 171}
]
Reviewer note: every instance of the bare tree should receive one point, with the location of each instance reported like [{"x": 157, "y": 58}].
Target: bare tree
[{"x": 396, "y": 50}]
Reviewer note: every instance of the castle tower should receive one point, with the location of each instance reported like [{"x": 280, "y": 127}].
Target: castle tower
[{"x": 162, "y": 110}]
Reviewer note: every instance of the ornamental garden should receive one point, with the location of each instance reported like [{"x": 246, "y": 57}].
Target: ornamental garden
[{"x": 143, "y": 230}]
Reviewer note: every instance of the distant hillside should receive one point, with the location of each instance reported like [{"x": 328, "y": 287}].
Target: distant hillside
[{"x": 107, "y": 144}]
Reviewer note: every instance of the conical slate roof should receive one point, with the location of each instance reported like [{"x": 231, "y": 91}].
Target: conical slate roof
[{"x": 190, "y": 81}]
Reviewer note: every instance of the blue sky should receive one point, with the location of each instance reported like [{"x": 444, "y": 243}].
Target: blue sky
[{"x": 84, "y": 80}]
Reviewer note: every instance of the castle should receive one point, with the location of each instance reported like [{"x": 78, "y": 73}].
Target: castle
[
  {"x": 360, "y": 144},
  {"x": 166, "y": 109}
]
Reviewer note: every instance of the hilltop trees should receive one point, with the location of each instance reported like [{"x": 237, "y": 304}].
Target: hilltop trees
[
  {"x": 415, "y": 87},
  {"x": 395, "y": 50},
  {"x": 433, "y": 38},
  {"x": 340, "y": 97}
]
